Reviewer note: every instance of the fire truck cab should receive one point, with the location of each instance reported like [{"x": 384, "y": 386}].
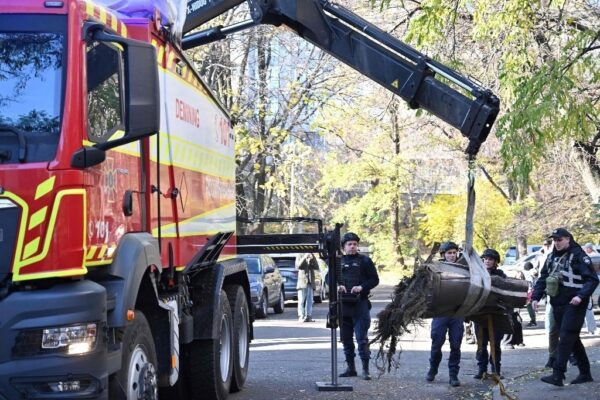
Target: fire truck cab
[{"x": 116, "y": 200}]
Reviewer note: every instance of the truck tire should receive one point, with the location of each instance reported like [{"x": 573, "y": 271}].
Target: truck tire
[
  {"x": 138, "y": 378},
  {"x": 241, "y": 335},
  {"x": 280, "y": 305},
  {"x": 210, "y": 361},
  {"x": 263, "y": 306}
]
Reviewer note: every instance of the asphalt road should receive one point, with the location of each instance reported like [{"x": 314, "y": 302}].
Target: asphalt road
[{"x": 288, "y": 357}]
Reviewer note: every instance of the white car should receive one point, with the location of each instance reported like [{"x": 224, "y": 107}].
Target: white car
[
  {"x": 511, "y": 254},
  {"x": 512, "y": 270}
]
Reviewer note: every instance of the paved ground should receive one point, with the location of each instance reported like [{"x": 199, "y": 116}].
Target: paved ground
[{"x": 288, "y": 357}]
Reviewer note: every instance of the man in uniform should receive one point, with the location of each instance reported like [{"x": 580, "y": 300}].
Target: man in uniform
[
  {"x": 358, "y": 277},
  {"x": 442, "y": 325},
  {"x": 569, "y": 279},
  {"x": 491, "y": 259}
]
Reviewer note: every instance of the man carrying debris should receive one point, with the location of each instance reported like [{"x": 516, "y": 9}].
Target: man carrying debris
[
  {"x": 454, "y": 327},
  {"x": 569, "y": 279},
  {"x": 358, "y": 277}
]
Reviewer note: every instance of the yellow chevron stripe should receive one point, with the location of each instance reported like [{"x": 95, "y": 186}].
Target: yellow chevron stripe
[
  {"x": 31, "y": 248},
  {"x": 91, "y": 252},
  {"x": 102, "y": 12},
  {"x": 102, "y": 251},
  {"x": 89, "y": 8},
  {"x": 161, "y": 54},
  {"x": 45, "y": 187},
  {"x": 38, "y": 217}
]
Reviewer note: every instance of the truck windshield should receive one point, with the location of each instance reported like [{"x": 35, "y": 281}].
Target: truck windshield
[{"x": 31, "y": 87}]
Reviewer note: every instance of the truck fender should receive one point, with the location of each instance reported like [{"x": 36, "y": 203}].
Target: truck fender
[{"x": 135, "y": 253}]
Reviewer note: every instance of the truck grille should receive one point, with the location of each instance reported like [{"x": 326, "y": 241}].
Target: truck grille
[{"x": 9, "y": 220}]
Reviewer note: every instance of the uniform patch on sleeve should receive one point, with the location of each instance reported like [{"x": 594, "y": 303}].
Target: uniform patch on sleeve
[{"x": 587, "y": 260}]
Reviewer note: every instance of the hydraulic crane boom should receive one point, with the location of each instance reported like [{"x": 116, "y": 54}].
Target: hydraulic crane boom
[{"x": 374, "y": 53}]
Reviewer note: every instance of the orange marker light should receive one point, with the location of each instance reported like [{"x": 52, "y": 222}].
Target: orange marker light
[{"x": 130, "y": 315}]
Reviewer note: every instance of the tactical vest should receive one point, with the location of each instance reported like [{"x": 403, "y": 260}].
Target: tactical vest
[
  {"x": 351, "y": 272},
  {"x": 562, "y": 265}
]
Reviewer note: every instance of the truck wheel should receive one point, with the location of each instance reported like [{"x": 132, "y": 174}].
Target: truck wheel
[
  {"x": 263, "y": 306},
  {"x": 280, "y": 306},
  {"x": 241, "y": 335},
  {"x": 210, "y": 360},
  {"x": 138, "y": 377}
]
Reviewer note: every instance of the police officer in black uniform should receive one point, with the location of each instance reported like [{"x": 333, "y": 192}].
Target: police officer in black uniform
[
  {"x": 569, "y": 279},
  {"x": 358, "y": 277}
]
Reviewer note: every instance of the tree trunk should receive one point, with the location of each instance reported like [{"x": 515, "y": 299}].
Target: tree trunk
[
  {"x": 517, "y": 194},
  {"x": 396, "y": 202},
  {"x": 585, "y": 161}
]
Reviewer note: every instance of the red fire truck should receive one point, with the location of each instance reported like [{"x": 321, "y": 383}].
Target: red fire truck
[{"x": 118, "y": 269}]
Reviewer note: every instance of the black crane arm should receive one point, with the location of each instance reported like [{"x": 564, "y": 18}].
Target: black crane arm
[{"x": 398, "y": 67}]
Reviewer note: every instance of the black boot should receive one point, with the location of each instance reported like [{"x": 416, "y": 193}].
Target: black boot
[
  {"x": 365, "y": 373},
  {"x": 431, "y": 374},
  {"x": 550, "y": 363},
  {"x": 350, "y": 370},
  {"x": 582, "y": 378},
  {"x": 555, "y": 379},
  {"x": 496, "y": 371},
  {"x": 480, "y": 374},
  {"x": 454, "y": 382},
  {"x": 572, "y": 360}
]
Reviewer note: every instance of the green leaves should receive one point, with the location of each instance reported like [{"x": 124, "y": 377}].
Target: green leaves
[{"x": 443, "y": 218}]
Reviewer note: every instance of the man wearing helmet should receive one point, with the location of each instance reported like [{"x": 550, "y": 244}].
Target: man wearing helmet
[
  {"x": 357, "y": 279},
  {"x": 441, "y": 326},
  {"x": 491, "y": 259}
]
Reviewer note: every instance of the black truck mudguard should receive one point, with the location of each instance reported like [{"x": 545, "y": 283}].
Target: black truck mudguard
[
  {"x": 29, "y": 371},
  {"x": 135, "y": 253}
]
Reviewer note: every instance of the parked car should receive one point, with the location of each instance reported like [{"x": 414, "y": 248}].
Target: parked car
[
  {"x": 511, "y": 270},
  {"x": 286, "y": 264},
  {"x": 512, "y": 254},
  {"x": 266, "y": 284}
]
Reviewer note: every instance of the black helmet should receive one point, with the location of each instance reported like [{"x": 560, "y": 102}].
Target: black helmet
[
  {"x": 448, "y": 246},
  {"x": 350, "y": 236},
  {"x": 491, "y": 253}
]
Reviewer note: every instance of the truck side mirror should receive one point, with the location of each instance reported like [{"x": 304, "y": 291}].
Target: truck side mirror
[
  {"x": 142, "y": 112},
  {"x": 87, "y": 156},
  {"x": 141, "y": 87}
]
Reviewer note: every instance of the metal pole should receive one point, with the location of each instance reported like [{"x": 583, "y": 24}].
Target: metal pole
[
  {"x": 334, "y": 374},
  {"x": 332, "y": 245}
]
